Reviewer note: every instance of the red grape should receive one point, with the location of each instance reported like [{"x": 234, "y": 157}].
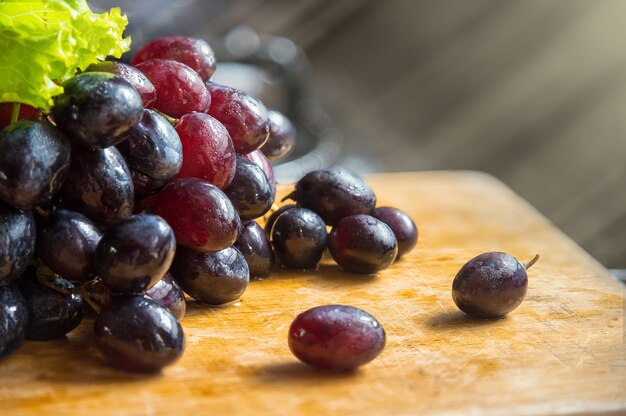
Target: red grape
[
  {"x": 180, "y": 89},
  {"x": 208, "y": 151},
  {"x": 195, "y": 53},
  {"x": 336, "y": 337},
  {"x": 26, "y": 113},
  {"x": 202, "y": 216},
  {"x": 244, "y": 117}
]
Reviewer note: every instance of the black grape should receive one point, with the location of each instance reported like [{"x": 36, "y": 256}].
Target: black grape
[
  {"x": 97, "y": 109},
  {"x": 299, "y": 238},
  {"x": 250, "y": 191},
  {"x": 13, "y": 318},
  {"x": 34, "y": 160},
  {"x": 256, "y": 249},
  {"x": 17, "y": 241}
]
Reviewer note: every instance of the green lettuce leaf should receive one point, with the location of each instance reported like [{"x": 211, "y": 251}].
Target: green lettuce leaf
[{"x": 44, "y": 43}]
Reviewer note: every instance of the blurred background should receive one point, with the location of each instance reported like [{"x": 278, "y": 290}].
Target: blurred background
[{"x": 531, "y": 91}]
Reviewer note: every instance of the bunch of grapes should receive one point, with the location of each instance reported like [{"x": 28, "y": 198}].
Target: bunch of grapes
[{"x": 144, "y": 181}]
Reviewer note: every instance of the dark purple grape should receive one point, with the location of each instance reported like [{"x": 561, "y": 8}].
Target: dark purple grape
[
  {"x": 153, "y": 147},
  {"x": 490, "y": 285},
  {"x": 34, "y": 160},
  {"x": 334, "y": 194},
  {"x": 97, "y": 109},
  {"x": 299, "y": 238},
  {"x": 256, "y": 249},
  {"x": 336, "y": 337},
  {"x": 17, "y": 242},
  {"x": 195, "y": 53},
  {"x": 213, "y": 278},
  {"x": 66, "y": 243},
  {"x": 166, "y": 292},
  {"x": 137, "y": 334},
  {"x": 249, "y": 190},
  {"x": 135, "y": 253},
  {"x": 99, "y": 185},
  {"x": 52, "y": 314},
  {"x": 402, "y": 226},
  {"x": 180, "y": 90},
  {"x": 132, "y": 75},
  {"x": 272, "y": 219},
  {"x": 13, "y": 318},
  {"x": 202, "y": 216},
  {"x": 362, "y": 244},
  {"x": 259, "y": 158},
  {"x": 145, "y": 186},
  {"x": 244, "y": 117},
  {"x": 282, "y": 137}
]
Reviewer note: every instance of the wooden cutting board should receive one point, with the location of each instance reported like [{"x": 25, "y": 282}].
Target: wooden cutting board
[{"x": 561, "y": 351}]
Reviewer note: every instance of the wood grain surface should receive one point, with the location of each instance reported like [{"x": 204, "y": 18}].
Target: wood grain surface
[{"x": 561, "y": 352}]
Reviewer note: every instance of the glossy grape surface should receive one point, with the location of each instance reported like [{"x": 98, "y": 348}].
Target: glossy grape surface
[
  {"x": 17, "y": 242},
  {"x": 166, "y": 292},
  {"x": 335, "y": 194},
  {"x": 260, "y": 159},
  {"x": 362, "y": 244},
  {"x": 34, "y": 161},
  {"x": 195, "y": 53},
  {"x": 97, "y": 109},
  {"x": 256, "y": 249},
  {"x": 490, "y": 285},
  {"x": 132, "y": 75},
  {"x": 134, "y": 333},
  {"x": 180, "y": 89},
  {"x": 249, "y": 191},
  {"x": 202, "y": 216},
  {"x": 135, "y": 253},
  {"x": 244, "y": 117},
  {"x": 153, "y": 147},
  {"x": 282, "y": 137},
  {"x": 336, "y": 337},
  {"x": 13, "y": 318},
  {"x": 299, "y": 238},
  {"x": 51, "y": 314},
  {"x": 213, "y": 278},
  {"x": 144, "y": 185},
  {"x": 6, "y": 111},
  {"x": 272, "y": 218},
  {"x": 208, "y": 151},
  {"x": 66, "y": 243},
  {"x": 99, "y": 185},
  {"x": 402, "y": 226}
]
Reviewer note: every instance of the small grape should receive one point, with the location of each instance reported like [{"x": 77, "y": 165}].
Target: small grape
[
  {"x": 402, "y": 226},
  {"x": 249, "y": 191},
  {"x": 134, "y": 333},
  {"x": 166, "y": 292},
  {"x": 213, "y": 278},
  {"x": 17, "y": 234},
  {"x": 195, "y": 53},
  {"x": 34, "y": 161},
  {"x": 135, "y": 253},
  {"x": 202, "y": 216},
  {"x": 13, "y": 318},
  {"x": 491, "y": 285},
  {"x": 299, "y": 238},
  {"x": 133, "y": 76},
  {"x": 272, "y": 218},
  {"x": 244, "y": 117},
  {"x": 282, "y": 137},
  {"x": 66, "y": 243},
  {"x": 97, "y": 109},
  {"x": 362, "y": 244},
  {"x": 259, "y": 158},
  {"x": 179, "y": 89},
  {"x": 256, "y": 249},
  {"x": 336, "y": 337},
  {"x": 208, "y": 151},
  {"x": 334, "y": 194}
]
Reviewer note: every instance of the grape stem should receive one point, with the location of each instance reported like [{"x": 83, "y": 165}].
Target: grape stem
[
  {"x": 16, "y": 112},
  {"x": 173, "y": 121},
  {"x": 531, "y": 262},
  {"x": 290, "y": 196}
]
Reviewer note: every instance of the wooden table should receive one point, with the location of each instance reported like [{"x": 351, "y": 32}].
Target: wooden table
[{"x": 561, "y": 351}]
